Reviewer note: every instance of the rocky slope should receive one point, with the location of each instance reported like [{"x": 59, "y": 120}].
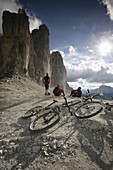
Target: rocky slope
[{"x": 72, "y": 144}]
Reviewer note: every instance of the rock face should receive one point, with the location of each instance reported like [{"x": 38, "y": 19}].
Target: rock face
[
  {"x": 28, "y": 54},
  {"x": 15, "y": 43},
  {"x": 0, "y": 51},
  {"x": 58, "y": 71},
  {"x": 40, "y": 39}
]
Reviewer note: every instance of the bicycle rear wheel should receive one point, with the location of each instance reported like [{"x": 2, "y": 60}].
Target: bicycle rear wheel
[
  {"x": 88, "y": 110},
  {"x": 32, "y": 112},
  {"x": 45, "y": 121}
]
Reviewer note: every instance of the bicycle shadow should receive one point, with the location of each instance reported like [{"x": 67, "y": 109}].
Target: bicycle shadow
[
  {"x": 93, "y": 143},
  {"x": 24, "y": 147},
  {"x": 23, "y": 102}
]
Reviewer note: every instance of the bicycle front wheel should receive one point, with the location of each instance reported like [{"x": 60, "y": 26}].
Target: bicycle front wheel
[
  {"x": 88, "y": 110},
  {"x": 32, "y": 112},
  {"x": 45, "y": 121}
]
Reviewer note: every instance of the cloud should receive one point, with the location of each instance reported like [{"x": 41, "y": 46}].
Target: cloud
[
  {"x": 84, "y": 84},
  {"x": 109, "y": 5},
  {"x": 9, "y": 5},
  {"x": 34, "y": 21},
  {"x": 72, "y": 49},
  {"x": 13, "y": 6},
  {"x": 93, "y": 70},
  {"x": 89, "y": 79},
  {"x": 88, "y": 71},
  {"x": 61, "y": 52}
]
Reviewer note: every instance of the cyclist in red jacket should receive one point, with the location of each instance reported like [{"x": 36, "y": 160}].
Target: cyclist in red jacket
[
  {"x": 57, "y": 91},
  {"x": 76, "y": 93},
  {"x": 46, "y": 81}
]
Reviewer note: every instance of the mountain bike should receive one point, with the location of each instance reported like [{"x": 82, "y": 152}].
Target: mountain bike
[
  {"x": 52, "y": 116},
  {"x": 90, "y": 109},
  {"x": 48, "y": 119}
]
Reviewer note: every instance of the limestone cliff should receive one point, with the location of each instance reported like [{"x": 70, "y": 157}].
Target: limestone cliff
[
  {"x": 15, "y": 43},
  {"x": 0, "y": 51},
  {"x": 40, "y": 39},
  {"x": 58, "y": 70}
]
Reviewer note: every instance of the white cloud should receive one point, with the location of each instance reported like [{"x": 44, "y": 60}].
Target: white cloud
[
  {"x": 84, "y": 84},
  {"x": 61, "y": 52},
  {"x": 13, "y": 6},
  {"x": 90, "y": 50},
  {"x": 72, "y": 49},
  {"x": 88, "y": 71},
  {"x": 109, "y": 4},
  {"x": 92, "y": 70},
  {"x": 9, "y": 5},
  {"x": 34, "y": 22}
]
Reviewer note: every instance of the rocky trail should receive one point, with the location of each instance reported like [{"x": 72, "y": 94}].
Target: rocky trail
[{"x": 72, "y": 144}]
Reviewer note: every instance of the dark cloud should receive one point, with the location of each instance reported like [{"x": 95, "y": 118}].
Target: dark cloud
[{"x": 91, "y": 76}]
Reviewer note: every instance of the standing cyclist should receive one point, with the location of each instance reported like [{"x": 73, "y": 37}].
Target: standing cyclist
[{"x": 46, "y": 81}]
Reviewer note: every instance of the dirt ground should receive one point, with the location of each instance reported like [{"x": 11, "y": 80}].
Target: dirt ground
[{"x": 72, "y": 144}]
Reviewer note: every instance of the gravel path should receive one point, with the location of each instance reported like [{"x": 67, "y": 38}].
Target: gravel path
[{"x": 72, "y": 144}]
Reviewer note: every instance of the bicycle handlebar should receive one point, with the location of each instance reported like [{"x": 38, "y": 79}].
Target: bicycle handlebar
[{"x": 55, "y": 101}]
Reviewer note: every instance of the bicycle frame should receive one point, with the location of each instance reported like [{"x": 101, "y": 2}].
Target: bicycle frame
[{"x": 43, "y": 110}]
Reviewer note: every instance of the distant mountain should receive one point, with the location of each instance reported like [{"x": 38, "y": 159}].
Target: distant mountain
[{"x": 106, "y": 90}]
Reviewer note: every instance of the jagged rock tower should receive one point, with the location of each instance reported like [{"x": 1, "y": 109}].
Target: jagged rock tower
[
  {"x": 40, "y": 39},
  {"x": 15, "y": 43},
  {"x": 58, "y": 70}
]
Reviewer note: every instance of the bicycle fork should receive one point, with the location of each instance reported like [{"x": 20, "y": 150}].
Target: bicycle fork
[{"x": 68, "y": 106}]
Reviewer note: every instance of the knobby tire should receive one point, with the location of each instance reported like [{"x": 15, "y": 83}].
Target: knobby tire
[
  {"x": 38, "y": 126},
  {"x": 88, "y": 110},
  {"x": 32, "y": 112}
]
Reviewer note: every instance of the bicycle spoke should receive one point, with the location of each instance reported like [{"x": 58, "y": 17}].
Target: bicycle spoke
[
  {"x": 88, "y": 109},
  {"x": 45, "y": 121}
]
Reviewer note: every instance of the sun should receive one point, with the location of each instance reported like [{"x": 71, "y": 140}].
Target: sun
[{"x": 105, "y": 48}]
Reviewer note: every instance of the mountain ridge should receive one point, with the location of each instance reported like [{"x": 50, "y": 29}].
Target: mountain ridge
[{"x": 106, "y": 90}]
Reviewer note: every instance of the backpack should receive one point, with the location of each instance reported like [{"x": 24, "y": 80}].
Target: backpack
[
  {"x": 74, "y": 94},
  {"x": 46, "y": 80}
]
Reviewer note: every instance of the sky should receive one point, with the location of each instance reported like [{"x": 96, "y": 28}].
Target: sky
[{"x": 81, "y": 30}]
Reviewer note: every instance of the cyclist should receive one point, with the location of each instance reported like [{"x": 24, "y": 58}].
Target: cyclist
[
  {"x": 57, "y": 91},
  {"x": 76, "y": 93},
  {"x": 46, "y": 81}
]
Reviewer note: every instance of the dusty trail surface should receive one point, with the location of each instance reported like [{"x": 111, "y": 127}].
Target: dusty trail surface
[{"x": 72, "y": 144}]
